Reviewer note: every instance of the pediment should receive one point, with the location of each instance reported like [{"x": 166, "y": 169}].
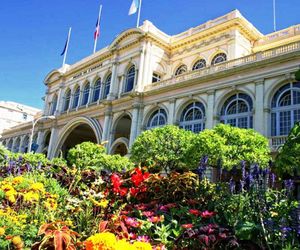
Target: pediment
[{"x": 127, "y": 37}]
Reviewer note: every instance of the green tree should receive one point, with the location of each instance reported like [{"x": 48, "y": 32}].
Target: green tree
[
  {"x": 231, "y": 145},
  {"x": 288, "y": 158},
  {"x": 166, "y": 148}
]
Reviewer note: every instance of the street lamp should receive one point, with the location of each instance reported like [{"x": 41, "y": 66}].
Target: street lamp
[{"x": 34, "y": 122}]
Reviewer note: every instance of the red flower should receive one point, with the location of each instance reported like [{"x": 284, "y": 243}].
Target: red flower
[
  {"x": 141, "y": 206},
  {"x": 156, "y": 219},
  {"x": 206, "y": 214},
  {"x": 116, "y": 180},
  {"x": 195, "y": 212},
  {"x": 165, "y": 208},
  {"x": 123, "y": 191},
  {"x": 187, "y": 225},
  {"x": 138, "y": 177},
  {"x": 134, "y": 191}
]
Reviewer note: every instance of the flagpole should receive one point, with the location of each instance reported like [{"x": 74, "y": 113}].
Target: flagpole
[
  {"x": 139, "y": 15},
  {"x": 96, "y": 39},
  {"x": 274, "y": 15},
  {"x": 66, "y": 52}
]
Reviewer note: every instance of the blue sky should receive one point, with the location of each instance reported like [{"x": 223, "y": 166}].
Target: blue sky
[{"x": 33, "y": 32}]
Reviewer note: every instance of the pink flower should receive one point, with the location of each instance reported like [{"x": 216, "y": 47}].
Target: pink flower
[
  {"x": 156, "y": 219},
  {"x": 148, "y": 213},
  {"x": 132, "y": 222},
  {"x": 143, "y": 238},
  {"x": 206, "y": 214}
]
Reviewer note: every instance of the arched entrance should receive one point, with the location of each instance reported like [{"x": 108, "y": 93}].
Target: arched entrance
[
  {"x": 78, "y": 130},
  {"x": 79, "y": 134},
  {"x": 121, "y": 137}
]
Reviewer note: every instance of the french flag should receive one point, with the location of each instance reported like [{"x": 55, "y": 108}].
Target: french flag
[{"x": 97, "y": 30}]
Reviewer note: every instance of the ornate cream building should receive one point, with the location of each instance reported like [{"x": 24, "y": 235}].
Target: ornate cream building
[{"x": 224, "y": 70}]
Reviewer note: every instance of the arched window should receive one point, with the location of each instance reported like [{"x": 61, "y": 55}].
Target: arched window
[
  {"x": 97, "y": 89},
  {"x": 10, "y": 144},
  {"x": 130, "y": 76},
  {"x": 17, "y": 145},
  {"x": 53, "y": 105},
  {"x": 157, "y": 119},
  {"x": 285, "y": 109},
  {"x": 67, "y": 99},
  {"x": 221, "y": 57},
  {"x": 106, "y": 86},
  {"x": 193, "y": 117},
  {"x": 237, "y": 111},
  {"x": 181, "y": 70},
  {"x": 199, "y": 64},
  {"x": 76, "y": 97},
  {"x": 86, "y": 93}
]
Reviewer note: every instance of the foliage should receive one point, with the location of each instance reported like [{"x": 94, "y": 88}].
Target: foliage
[
  {"x": 90, "y": 155},
  {"x": 166, "y": 148},
  {"x": 288, "y": 159},
  {"x": 3, "y": 153},
  {"x": 56, "y": 235},
  {"x": 84, "y": 155},
  {"x": 60, "y": 162},
  {"x": 229, "y": 146}
]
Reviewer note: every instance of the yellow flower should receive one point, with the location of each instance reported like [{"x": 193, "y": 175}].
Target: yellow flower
[
  {"x": 17, "y": 180},
  {"x": 138, "y": 245},
  {"x": 38, "y": 187},
  {"x": 31, "y": 196},
  {"x": 124, "y": 245},
  {"x": 16, "y": 240},
  {"x": 274, "y": 214},
  {"x": 103, "y": 241},
  {"x": 2, "y": 231}
]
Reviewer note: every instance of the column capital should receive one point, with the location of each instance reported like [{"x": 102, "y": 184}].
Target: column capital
[
  {"x": 259, "y": 81},
  {"x": 172, "y": 100},
  {"x": 267, "y": 110}
]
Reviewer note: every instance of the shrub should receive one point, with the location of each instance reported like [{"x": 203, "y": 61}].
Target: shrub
[
  {"x": 231, "y": 145},
  {"x": 288, "y": 159},
  {"x": 84, "y": 154},
  {"x": 3, "y": 153},
  {"x": 167, "y": 148},
  {"x": 91, "y": 155},
  {"x": 60, "y": 162}
]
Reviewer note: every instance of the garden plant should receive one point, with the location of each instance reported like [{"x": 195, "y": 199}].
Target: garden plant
[{"x": 159, "y": 199}]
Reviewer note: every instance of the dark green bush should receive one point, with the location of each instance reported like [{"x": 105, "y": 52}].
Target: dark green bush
[
  {"x": 288, "y": 158},
  {"x": 167, "y": 148},
  {"x": 231, "y": 145}
]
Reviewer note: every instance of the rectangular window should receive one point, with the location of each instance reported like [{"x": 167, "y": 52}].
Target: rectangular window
[
  {"x": 155, "y": 77},
  {"x": 273, "y": 124},
  {"x": 243, "y": 122},
  {"x": 285, "y": 122}
]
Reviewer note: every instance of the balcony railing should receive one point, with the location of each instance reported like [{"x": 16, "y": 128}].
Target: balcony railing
[
  {"x": 277, "y": 141},
  {"x": 253, "y": 58}
]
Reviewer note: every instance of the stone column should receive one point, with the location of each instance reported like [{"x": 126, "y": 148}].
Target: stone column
[
  {"x": 46, "y": 111},
  {"x": 21, "y": 149},
  {"x": 39, "y": 141},
  {"x": 259, "y": 121},
  {"x": 107, "y": 124},
  {"x": 53, "y": 139},
  {"x": 210, "y": 112},
  {"x": 121, "y": 85},
  {"x": 147, "y": 72},
  {"x": 139, "y": 85},
  {"x": 113, "y": 91},
  {"x": 59, "y": 100},
  {"x": 80, "y": 95},
  {"x": 91, "y": 90},
  {"x": 134, "y": 123},
  {"x": 171, "y": 117}
]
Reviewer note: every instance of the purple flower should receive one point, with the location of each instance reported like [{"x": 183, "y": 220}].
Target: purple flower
[
  {"x": 273, "y": 178},
  {"x": 289, "y": 185},
  {"x": 285, "y": 231}
]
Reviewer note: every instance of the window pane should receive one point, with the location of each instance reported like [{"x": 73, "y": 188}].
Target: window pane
[
  {"x": 285, "y": 122},
  {"x": 296, "y": 116},
  {"x": 243, "y": 122},
  {"x": 296, "y": 97},
  {"x": 273, "y": 124},
  {"x": 232, "y": 122},
  {"x": 285, "y": 99}
]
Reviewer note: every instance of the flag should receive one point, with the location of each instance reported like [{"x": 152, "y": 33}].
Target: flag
[
  {"x": 97, "y": 30},
  {"x": 65, "y": 48},
  {"x": 134, "y": 6}
]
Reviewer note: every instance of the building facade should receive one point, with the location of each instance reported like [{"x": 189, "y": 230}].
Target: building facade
[
  {"x": 224, "y": 70},
  {"x": 14, "y": 114}
]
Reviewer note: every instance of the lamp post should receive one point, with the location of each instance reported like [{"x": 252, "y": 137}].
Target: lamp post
[{"x": 34, "y": 122}]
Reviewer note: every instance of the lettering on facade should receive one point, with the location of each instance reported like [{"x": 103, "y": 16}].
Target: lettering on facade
[{"x": 87, "y": 71}]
